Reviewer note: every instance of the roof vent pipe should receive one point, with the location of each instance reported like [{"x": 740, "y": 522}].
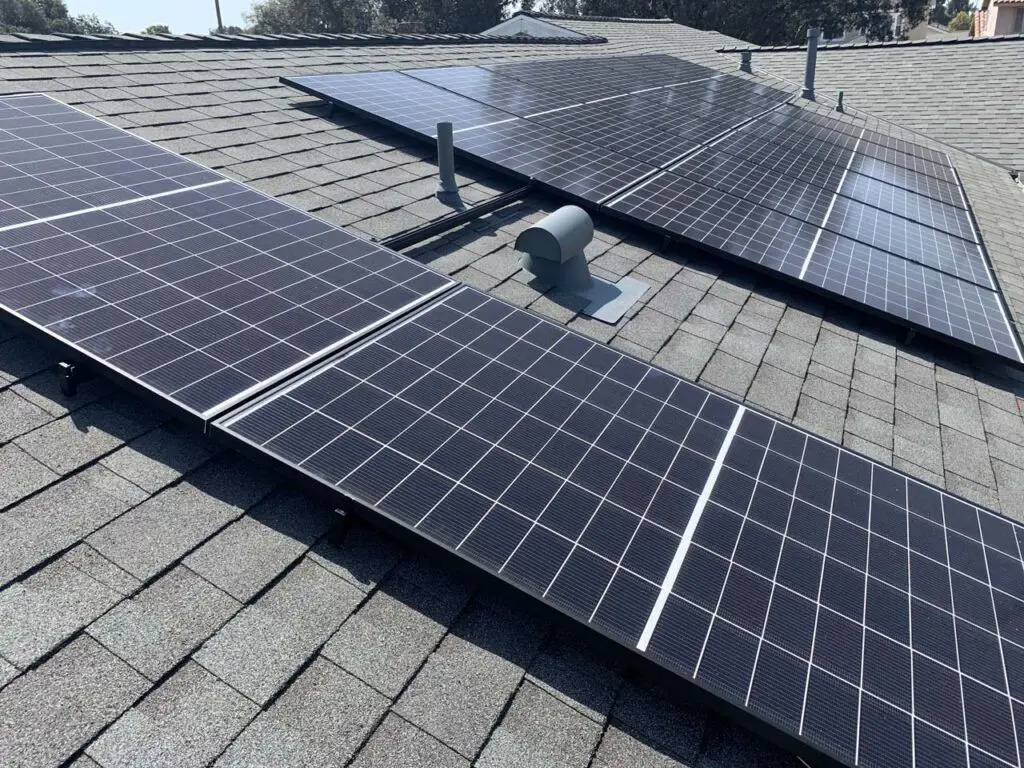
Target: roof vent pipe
[
  {"x": 813, "y": 33},
  {"x": 448, "y": 187},
  {"x": 745, "y": 62},
  {"x": 553, "y": 250}
]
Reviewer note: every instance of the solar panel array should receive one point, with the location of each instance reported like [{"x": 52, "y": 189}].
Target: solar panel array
[
  {"x": 878, "y": 620},
  {"x": 194, "y": 287},
  {"x": 720, "y": 161}
]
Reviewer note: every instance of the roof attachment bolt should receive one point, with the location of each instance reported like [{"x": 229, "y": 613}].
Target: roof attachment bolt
[
  {"x": 448, "y": 187},
  {"x": 813, "y": 33},
  {"x": 745, "y": 62},
  {"x": 839, "y": 105}
]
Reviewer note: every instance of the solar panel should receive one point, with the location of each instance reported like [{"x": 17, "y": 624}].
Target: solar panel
[
  {"x": 910, "y": 240},
  {"x": 747, "y": 176},
  {"x": 874, "y": 619},
  {"x": 729, "y": 223},
  {"x": 605, "y": 76},
  {"x": 55, "y": 160},
  {"x": 202, "y": 295},
  {"x": 788, "y": 125},
  {"x": 823, "y": 167},
  {"x": 399, "y": 99}
]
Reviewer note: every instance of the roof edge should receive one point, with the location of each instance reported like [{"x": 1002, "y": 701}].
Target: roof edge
[
  {"x": 871, "y": 46},
  {"x": 620, "y": 19},
  {"x": 60, "y": 42}
]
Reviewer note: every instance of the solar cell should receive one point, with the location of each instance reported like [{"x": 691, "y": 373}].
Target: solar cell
[
  {"x": 55, "y": 160},
  {"x": 873, "y": 618},
  {"x": 206, "y": 295}
]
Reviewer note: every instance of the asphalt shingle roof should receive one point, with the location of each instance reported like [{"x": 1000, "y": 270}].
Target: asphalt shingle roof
[
  {"x": 967, "y": 93},
  {"x": 166, "y": 602}
]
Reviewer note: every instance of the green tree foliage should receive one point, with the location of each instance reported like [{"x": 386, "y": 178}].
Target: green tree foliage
[
  {"x": 42, "y": 16},
  {"x": 939, "y": 14},
  {"x": 961, "y": 22},
  {"x": 277, "y": 16},
  {"x": 157, "y": 29},
  {"x": 91, "y": 24},
  {"x": 448, "y": 15},
  {"x": 763, "y": 22},
  {"x": 956, "y": 7},
  {"x": 756, "y": 21}
]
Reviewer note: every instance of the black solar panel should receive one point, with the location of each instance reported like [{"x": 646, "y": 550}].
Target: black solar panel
[
  {"x": 940, "y": 282},
  {"x": 607, "y": 76},
  {"x": 910, "y": 240},
  {"x": 823, "y": 166},
  {"x": 191, "y": 286},
  {"x": 599, "y": 124},
  {"x": 205, "y": 295},
  {"x": 55, "y": 160},
  {"x": 806, "y": 199},
  {"x": 876, "y": 619}
]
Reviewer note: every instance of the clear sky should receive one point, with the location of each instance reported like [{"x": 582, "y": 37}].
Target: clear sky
[{"x": 180, "y": 15}]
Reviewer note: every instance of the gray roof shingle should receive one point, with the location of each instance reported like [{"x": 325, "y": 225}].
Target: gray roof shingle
[{"x": 161, "y": 599}]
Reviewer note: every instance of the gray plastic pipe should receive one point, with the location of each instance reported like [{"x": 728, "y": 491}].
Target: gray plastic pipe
[
  {"x": 446, "y": 161},
  {"x": 813, "y": 33}
]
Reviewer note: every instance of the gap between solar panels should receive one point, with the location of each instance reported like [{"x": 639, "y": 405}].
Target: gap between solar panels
[
  {"x": 856, "y": 615},
  {"x": 179, "y": 283},
  {"x": 724, "y": 163}
]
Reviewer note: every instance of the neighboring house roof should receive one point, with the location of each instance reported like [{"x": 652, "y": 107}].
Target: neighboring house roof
[
  {"x": 936, "y": 33},
  {"x": 163, "y": 599},
  {"x": 965, "y": 92},
  {"x": 523, "y": 24}
]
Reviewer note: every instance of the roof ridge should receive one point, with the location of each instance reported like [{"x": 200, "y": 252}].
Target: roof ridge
[
  {"x": 873, "y": 45},
  {"x": 24, "y": 41}
]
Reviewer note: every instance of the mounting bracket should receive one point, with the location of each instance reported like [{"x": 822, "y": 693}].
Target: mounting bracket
[{"x": 71, "y": 375}]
